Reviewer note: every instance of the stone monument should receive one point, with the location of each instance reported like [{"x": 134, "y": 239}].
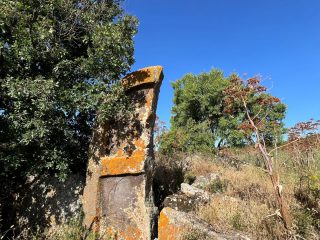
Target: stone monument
[{"x": 118, "y": 196}]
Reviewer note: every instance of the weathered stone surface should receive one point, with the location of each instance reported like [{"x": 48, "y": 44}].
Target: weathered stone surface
[
  {"x": 195, "y": 192},
  {"x": 188, "y": 199},
  {"x": 182, "y": 202},
  {"x": 118, "y": 194},
  {"x": 203, "y": 181},
  {"x": 48, "y": 202},
  {"x": 175, "y": 225},
  {"x": 122, "y": 205},
  {"x": 143, "y": 76}
]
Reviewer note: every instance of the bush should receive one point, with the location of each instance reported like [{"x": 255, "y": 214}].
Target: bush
[{"x": 217, "y": 186}]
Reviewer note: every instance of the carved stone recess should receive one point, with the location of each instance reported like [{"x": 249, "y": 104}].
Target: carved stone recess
[{"x": 118, "y": 195}]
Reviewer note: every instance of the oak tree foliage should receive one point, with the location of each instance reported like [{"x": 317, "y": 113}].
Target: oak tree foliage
[{"x": 60, "y": 63}]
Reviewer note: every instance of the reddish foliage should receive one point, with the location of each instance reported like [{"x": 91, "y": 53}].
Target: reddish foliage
[{"x": 303, "y": 129}]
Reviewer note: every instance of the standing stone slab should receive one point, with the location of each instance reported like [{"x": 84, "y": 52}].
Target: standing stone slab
[{"x": 118, "y": 196}]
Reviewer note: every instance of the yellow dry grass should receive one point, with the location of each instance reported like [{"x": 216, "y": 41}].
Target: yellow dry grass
[
  {"x": 230, "y": 214},
  {"x": 248, "y": 203}
]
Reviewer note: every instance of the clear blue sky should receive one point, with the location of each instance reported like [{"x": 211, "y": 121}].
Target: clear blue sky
[{"x": 278, "y": 39}]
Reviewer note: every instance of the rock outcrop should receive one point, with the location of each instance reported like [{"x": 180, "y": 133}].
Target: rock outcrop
[
  {"x": 192, "y": 191},
  {"x": 175, "y": 225},
  {"x": 204, "y": 180},
  {"x": 47, "y": 202},
  {"x": 188, "y": 199},
  {"x": 118, "y": 197}
]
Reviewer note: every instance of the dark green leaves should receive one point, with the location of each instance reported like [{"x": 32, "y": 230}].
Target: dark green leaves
[
  {"x": 203, "y": 119},
  {"x": 60, "y": 64}
]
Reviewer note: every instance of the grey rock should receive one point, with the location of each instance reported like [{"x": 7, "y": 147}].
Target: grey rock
[
  {"x": 182, "y": 202},
  {"x": 203, "y": 181},
  {"x": 192, "y": 191},
  {"x": 188, "y": 199}
]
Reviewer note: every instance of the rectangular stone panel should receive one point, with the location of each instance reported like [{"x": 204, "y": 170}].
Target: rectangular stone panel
[{"x": 123, "y": 206}]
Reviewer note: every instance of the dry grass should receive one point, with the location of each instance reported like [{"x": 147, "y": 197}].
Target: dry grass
[
  {"x": 248, "y": 204},
  {"x": 249, "y": 183},
  {"x": 230, "y": 214},
  {"x": 202, "y": 165}
]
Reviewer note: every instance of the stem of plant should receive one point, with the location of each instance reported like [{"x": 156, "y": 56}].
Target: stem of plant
[{"x": 274, "y": 178}]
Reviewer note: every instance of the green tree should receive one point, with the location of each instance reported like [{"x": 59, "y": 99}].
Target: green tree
[
  {"x": 60, "y": 63},
  {"x": 201, "y": 121}
]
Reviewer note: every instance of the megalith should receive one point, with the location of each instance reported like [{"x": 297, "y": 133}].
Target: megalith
[{"x": 118, "y": 196}]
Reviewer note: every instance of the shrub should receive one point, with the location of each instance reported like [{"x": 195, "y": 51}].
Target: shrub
[{"x": 217, "y": 186}]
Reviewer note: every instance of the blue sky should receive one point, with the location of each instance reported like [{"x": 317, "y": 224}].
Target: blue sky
[{"x": 277, "y": 39}]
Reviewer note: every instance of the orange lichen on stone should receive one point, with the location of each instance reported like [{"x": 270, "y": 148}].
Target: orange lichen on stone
[
  {"x": 143, "y": 76},
  {"x": 124, "y": 163},
  {"x": 119, "y": 176},
  {"x": 110, "y": 233},
  {"x": 130, "y": 233},
  {"x": 167, "y": 229}
]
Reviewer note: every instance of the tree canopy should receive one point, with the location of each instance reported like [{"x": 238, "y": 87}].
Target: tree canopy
[
  {"x": 60, "y": 63},
  {"x": 202, "y": 120}
]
